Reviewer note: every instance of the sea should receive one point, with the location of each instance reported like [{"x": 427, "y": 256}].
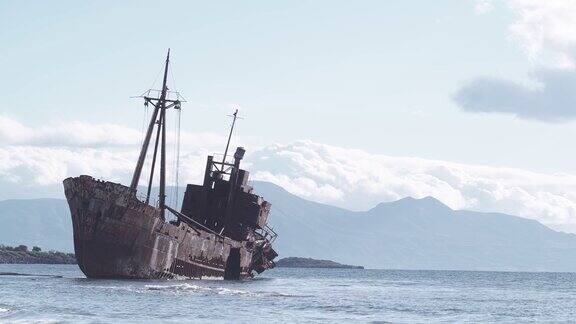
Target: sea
[{"x": 61, "y": 294}]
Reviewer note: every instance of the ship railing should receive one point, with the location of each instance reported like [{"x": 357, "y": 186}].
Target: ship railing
[
  {"x": 268, "y": 233},
  {"x": 170, "y": 95},
  {"x": 222, "y": 167}
]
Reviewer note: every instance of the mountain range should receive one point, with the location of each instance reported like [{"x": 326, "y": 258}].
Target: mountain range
[{"x": 405, "y": 234}]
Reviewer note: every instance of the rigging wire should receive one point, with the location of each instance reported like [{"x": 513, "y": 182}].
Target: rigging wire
[
  {"x": 177, "y": 124},
  {"x": 176, "y": 159},
  {"x": 143, "y": 126},
  {"x": 174, "y": 190},
  {"x": 173, "y": 80},
  {"x": 178, "y": 114},
  {"x": 173, "y": 163},
  {"x": 143, "y": 130},
  {"x": 157, "y": 75},
  {"x": 146, "y": 113},
  {"x": 173, "y": 200}
]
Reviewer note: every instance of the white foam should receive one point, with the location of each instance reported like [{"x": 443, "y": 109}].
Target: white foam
[
  {"x": 4, "y": 310},
  {"x": 277, "y": 294},
  {"x": 37, "y": 321},
  {"x": 226, "y": 291},
  {"x": 212, "y": 278},
  {"x": 119, "y": 288},
  {"x": 196, "y": 288},
  {"x": 184, "y": 286}
]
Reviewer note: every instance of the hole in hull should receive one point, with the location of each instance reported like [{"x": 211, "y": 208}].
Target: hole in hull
[{"x": 232, "y": 271}]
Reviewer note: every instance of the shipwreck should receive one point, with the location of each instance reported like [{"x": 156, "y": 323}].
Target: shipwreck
[{"x": 220, "y": 231}]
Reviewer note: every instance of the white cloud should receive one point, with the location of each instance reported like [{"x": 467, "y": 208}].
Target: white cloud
[
  {"x": 348, "y": 178},
  {"x": 359, "y": 180},
  {"x": 27, "y": 165},
  {"x": 77, "y": 134},
  {"x": 546, "y": 30},
  {"x": 12, "y": 131},
  {"x": 67, "y": 134},
  {"x": 483, "y": 6},
  {"x": 44, "y": 156}
]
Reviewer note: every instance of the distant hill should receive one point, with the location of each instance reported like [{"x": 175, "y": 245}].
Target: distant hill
[
  {"x": 296, "y": 262},
  {"x": 416, "y": 234},
  {"x": 405, "y": 234},
  {"x": 41, "y": 222},
  {"x": 18, "y": 255}
]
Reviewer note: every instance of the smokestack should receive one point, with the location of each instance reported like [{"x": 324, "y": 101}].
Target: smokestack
[{"x": 239, "y": 155}]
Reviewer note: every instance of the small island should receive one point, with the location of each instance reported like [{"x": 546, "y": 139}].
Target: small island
[
  {"x": 20, "y": 254},
  {"x": 295, "y": 262}
]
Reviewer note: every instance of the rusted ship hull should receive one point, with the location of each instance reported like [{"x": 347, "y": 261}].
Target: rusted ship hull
[
  {"x": 220, "y": 231},
  {"x": 118, "y": 236}
]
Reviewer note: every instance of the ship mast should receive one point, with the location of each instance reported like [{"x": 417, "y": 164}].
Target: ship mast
[
  {"x": 234, "y": 116},
  {"x": 160, "y": 103}
]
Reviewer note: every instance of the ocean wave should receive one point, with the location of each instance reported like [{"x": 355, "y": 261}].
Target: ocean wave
[
  {"x": 35, "y": 321},
  {"x": 226, "y": 291},
  {"x": 28, "y": 275},
  {"x": 277, "y": 294},
  {"x": 178, "y": 287},
  {"x": 4, "y": 310},
  {"x": 117, "y": 288},
  {"x": 219, "y": 290},
  {"x": 187, "y": 287},
  {"x": 196, "y": 288},
  {"x": 212, "y": 278}
]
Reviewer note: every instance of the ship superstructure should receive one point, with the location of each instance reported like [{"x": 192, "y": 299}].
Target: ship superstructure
[{"x": 220, "y": 231}]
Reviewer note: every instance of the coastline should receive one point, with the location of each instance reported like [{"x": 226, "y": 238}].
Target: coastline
[
  {"x": 297, "y": 262},
  {"x": 19, "y": 255}
]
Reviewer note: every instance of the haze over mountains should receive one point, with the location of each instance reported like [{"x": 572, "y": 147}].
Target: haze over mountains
[
  {"x": 405, "y": 234},
  {"x": 416, "y": 234},
  {"x": 41, "y": 222},
  {"x": 349, "y": 178}
]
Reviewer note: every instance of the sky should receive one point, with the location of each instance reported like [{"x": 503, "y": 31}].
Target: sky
[{"x": 470, "y": 101}]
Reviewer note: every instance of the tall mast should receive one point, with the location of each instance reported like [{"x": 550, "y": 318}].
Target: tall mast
[
  {"x": 162, "y": 104},
  {"x": 143, "y": 150},
  {"x": 159, "y": 109},
  {"x": 153, "y": 162},
  {"x": 234, "y": 115}
]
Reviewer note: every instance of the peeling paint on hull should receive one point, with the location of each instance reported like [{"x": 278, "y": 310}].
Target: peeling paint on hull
[{"x": 118, "y": 236}]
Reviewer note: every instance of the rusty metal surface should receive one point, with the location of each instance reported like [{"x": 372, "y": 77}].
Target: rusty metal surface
[
  {"x": 221, "y": 230},
  {"x": 118, "y": 236}
]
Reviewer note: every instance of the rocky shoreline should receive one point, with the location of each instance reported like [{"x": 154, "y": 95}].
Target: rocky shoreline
[{"x": 21, "y": 255}]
